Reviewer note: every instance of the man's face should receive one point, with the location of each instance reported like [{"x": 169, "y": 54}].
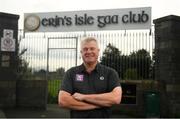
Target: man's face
[{"x": 90, "y": 52}]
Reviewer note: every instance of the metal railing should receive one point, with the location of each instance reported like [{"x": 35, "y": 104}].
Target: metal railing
[{"x": 49, "y": 55}]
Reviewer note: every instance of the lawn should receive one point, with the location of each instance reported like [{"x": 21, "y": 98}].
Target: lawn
[{"x": 53, "y": 90}]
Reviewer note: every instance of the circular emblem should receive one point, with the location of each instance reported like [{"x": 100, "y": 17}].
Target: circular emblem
[
  {"x": 32, "y": 22},
  {"x": 7, "y": 42},
  {"x": 101, "y": 78}
]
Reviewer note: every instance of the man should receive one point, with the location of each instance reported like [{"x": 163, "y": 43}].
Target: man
[{"x": 89, "y": 90}]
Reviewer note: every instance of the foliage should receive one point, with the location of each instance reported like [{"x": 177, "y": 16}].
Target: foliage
[
  {"x": 60, "y": 71},
  {"x": 54, "y": 75},
  {"x": 131, "y": 74},
  {"x": 138, "y": 60},
  {"x": 141, "y": 60},
  {"x": 112, "y": 58},
  {"x": 41, "y": 74},
  {"x": 23, "y": 71}
]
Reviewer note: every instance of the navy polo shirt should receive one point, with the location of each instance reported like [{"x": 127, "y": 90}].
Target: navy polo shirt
[{"x": 102, "y": 79}]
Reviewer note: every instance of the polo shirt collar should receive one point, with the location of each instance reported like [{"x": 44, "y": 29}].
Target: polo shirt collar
[{"x": 82, "y": 68}]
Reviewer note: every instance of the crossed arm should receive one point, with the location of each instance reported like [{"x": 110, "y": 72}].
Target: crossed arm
[
  {"x": 66, "y": 100},
  {"x": 79, "y": 101}
]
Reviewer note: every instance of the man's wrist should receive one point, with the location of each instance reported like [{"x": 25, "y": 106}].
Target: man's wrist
[{"x": 84, "y": 97}]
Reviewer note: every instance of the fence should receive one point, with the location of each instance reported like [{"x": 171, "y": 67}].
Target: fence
[{"x": 49, "y": 55}]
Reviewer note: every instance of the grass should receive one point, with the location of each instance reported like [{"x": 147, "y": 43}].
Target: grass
[{"x": 53, "y": 90}]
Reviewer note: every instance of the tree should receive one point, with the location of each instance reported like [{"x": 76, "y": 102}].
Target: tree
[
  {"x": 141, "y": 60},
  {"x": 60, "y": 72},
  {"x": 41, "y": 74},
  {"x": 131, "y": 74},
  {"x": 23, "y": 71},
  {"x": 112, "y": 58},
  {"x": 137, "y": 64}
]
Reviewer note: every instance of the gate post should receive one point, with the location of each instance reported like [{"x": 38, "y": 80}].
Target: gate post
[
  {"x": 167, "y": 40},
  {"x": 8, "y": 56}
]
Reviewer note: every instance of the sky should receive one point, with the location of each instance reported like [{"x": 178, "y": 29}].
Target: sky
[{"x": 160, "y": 8}]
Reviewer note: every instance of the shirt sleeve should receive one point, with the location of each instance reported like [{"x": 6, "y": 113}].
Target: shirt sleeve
[
  {"x": 66, "y": 84},
  {"x": 114, "y": 80}
]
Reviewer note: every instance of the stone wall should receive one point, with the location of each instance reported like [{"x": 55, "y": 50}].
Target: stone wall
[
  {"x": 31, "y": 94},
  {"x": 23, "y": 94},
  {"x": 8, "y": 54},
  {"x": 167, "y": 40},
  {"x": 7, "y": 94}
]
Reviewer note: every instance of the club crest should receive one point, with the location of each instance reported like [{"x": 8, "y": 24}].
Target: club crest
[
  {"x": 101, "y": 78},
  {"x": 79, "y": 77}
]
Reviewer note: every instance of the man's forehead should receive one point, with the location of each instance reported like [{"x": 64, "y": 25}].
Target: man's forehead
[
  {"x": 92, "y": 43},
  {"x": 89, "y": 44}
]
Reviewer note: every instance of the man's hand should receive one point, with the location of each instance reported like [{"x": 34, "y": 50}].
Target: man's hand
[
  {"x": 78, "y": 96},
  {"x": 66, "y": 100},
  {"x": 103, "y": 99}
]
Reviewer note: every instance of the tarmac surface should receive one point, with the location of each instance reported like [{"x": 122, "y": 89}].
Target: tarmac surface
[{"x": 52, "y": 111}]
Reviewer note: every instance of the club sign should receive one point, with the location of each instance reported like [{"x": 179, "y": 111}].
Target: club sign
[{"x": 91, "y": 20}]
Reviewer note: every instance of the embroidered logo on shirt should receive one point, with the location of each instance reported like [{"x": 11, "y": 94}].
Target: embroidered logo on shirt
[
  {"x": 79, "y": 77},
  {"x": 101, "y": 78}
]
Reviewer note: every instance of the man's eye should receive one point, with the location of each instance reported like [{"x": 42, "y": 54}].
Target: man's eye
[
  {"x": 92, "y": 49},
  {"x": 85, "y": 49}
]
